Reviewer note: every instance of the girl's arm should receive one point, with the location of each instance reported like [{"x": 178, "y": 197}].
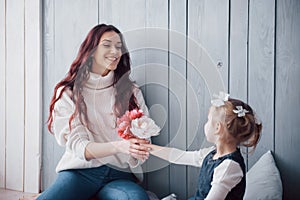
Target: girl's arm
[
  {"x": 226, "y": 176},
  {"x": 177, "y": 156}
]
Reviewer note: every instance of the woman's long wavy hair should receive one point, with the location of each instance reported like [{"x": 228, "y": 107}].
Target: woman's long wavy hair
[{"x": 78, "y": 75}]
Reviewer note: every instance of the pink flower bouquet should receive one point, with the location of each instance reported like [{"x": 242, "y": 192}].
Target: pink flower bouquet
[{"x": 134, "y": 124}]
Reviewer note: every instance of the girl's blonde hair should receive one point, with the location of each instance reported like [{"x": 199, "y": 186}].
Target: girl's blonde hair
[{"x": 245, "y": 129}]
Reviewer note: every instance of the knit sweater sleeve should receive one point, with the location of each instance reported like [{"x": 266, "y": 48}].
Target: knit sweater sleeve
[{"x": 75, "y": 139}]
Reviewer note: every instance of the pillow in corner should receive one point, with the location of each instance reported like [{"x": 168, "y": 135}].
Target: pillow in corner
[{"x": 263, "y": 180}]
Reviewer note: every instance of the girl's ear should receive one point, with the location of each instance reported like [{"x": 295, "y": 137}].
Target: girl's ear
[{"x": 218, "y": 127}]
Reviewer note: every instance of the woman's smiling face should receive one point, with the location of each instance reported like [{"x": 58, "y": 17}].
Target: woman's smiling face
[{"x": 107, "y": 54}]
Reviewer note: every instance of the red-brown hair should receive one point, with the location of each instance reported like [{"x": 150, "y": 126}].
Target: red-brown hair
[
  {"x": 246, "y": 130},
  {"x": 78, "y": 74}
]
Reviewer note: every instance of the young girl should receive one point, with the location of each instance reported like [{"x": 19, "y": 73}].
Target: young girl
[
  {"x": 83, "y": 112},
  {"x": 230, "y": 123}
]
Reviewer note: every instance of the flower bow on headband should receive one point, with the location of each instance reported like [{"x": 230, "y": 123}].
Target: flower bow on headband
[
  {"x": 240, "y": 111},
  {"x": 220, "y": 99}
]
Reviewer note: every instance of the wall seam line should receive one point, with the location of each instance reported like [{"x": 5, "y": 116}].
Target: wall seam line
[
  {"x": 186, "y": 89},
  {"x": 24, "y": 93},
  {"x": 248, "y": 55},
  {"x": 5, "y": 88},
  {"x": 229, "y": 46},
  {"x": 274, "y": 78}
]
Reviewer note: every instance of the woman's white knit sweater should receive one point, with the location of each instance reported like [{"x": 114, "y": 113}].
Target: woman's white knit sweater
[{"x": 99, "y": 97}]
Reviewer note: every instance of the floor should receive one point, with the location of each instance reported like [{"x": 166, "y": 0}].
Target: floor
[{"x": 15, "y": 195}]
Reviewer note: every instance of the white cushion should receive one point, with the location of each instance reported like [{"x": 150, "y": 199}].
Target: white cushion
[{"x": 263, "y": 180}]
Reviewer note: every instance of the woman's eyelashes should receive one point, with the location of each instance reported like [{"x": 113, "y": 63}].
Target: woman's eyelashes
[{"x": 118, "y": 47}]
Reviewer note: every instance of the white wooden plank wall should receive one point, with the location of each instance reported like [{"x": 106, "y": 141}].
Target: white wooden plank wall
[
  {"x": 157, "y": 83},
  {"x": 63, "y": 33},
  {"x": 208, "y": 26},
  {"x": 177, "y": 91},
  {"x": 238, "y": 49},
  {"x": 15, "y": 97},
  {"x": 48, "y": 143},
  {"x": 20, "y": 56},
  {"x": 33, "y": 96},
  {"x": 287, "y": 96},
  {"x": 238, "y": 53},
  {"x": 255, "y": 42},
  {"x": 261, "y": 70},
  {"x": 239, "y": 35},
  {"x": 2, "y": 93}
]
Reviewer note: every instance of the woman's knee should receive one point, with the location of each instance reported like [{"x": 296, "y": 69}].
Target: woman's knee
[
  {"x": 70, "y": 185},
  {"x": 122, "y": 190}
]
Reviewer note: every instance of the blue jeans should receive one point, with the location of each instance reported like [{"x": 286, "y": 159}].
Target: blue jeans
[{"x": 100, "y": 183}]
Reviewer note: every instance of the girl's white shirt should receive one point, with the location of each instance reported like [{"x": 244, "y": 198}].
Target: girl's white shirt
[
  {"x": 226, "y": 176},
  {"x": 99, "y": 97}
]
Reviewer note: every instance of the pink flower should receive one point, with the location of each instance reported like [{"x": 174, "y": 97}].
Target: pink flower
[
  {"x": 144, "y": 127},
  {"x": 133, "y": 114},
  {"x": 124, "y": 127},
  {"x": 134, "y": 124}
]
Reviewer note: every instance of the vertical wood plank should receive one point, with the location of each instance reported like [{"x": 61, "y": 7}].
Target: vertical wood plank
[
  {"x": 208, "y": 26},
  {"x": 48, "y": 142},
  {"x": 131, "y": 23},
  {"x": 15, "y": 94},
  {"x": 33, "y": 106},
  {"x": 177, "y": 93},
  {"x": 261, "y": 71},
  {"x": 157, "y": 83},
  {"x": 67, "y": 24},
  {"x": 65, "y": 32},
  {"x": 238, "y": 59},
  {"x": 105, "y": 12},
  {"x": 287, "y": 97},
  {"x": 2, "y": 92},
  {"x": 195, "y": 93},
  {"x": 238, "y": 49},
  {"x": 126, "y": 15}
]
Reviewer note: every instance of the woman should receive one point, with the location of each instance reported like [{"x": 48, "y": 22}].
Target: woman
[{"x": 83, "y": 112}]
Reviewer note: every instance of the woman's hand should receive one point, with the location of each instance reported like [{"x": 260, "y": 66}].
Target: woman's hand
[{"x": 134, "y": 148}]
